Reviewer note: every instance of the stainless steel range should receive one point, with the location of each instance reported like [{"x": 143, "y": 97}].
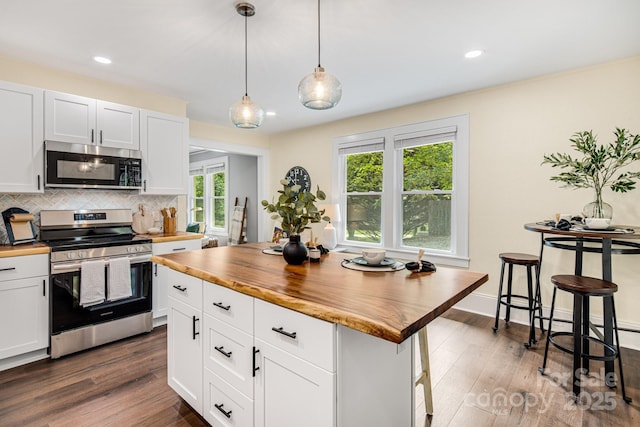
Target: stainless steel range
[{"x": 100, "y": 278}]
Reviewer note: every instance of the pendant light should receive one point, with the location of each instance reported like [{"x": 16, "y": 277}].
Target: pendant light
[
  {"x": 245, "y": 113},
  {"x": 319, "y": 90}
]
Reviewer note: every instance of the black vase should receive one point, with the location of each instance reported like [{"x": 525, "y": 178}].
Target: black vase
[{"x": 294, "y": 252}]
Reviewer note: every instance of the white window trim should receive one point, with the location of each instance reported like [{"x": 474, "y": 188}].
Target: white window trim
[
  {"x": 390, "y": 215},
  {"x": 204, "y": 165}
]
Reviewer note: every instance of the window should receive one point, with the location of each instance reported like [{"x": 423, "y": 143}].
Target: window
[
  {"x": 208, "y": 195},
  {"x": 406, "y": 188}
]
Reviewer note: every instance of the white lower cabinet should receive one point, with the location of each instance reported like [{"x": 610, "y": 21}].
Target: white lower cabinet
[
  {"x": 184, "y": 338},
  {"x": 265, "y": 365},
  {"x": 24, "y": 305},
  {"x": 160, "y": 280}
]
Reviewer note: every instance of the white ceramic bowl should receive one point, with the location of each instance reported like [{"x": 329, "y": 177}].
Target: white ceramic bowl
[
  {"x": 597, "y": 223},
  {"x": 373, "y": 256}
]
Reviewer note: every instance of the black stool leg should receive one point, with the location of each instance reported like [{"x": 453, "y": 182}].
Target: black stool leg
[
  {"x": 585, "y": 334},
  {"x": 509, "y": 283},
  {"x": 546, "y": 346},
  {"x": 615, "y": 329},
  {"x": 577, "y": 344},
  {"x": 539, "y": 297},
  {"x": 531, "y": 301},
  {"x": 495, "y": 327}
]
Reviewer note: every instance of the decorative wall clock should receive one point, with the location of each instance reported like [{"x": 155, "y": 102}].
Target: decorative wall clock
[{"x": 299, "y": 175}]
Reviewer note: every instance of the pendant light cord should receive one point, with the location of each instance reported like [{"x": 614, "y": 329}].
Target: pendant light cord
[
  {"x": 319, "y": 33},
  {"x": 246, "y": 85}
]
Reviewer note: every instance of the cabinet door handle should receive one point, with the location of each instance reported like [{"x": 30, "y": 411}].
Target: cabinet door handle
[
  {"x": 38, "y": 181},
  {"x": 180, "y": 288},
  {"x": 179, "y": 249},
  {"x": 222, "y": 306},
  {"x": 279, "y": 330},
  {"x": 155, "y": 272},
  {"x": 225, "y": 353},
  {"x": 144, "y": 185},
  {"x": 255, "y": 368},
  {"x": 44, "y": 288},
  {"x": 195, "y": 319},
  {"x": 92, "y": 135},
  {"x": 219, "y": 408},
  {"x": 7, "y": 269},
  {"x": 100, "y": 136}
]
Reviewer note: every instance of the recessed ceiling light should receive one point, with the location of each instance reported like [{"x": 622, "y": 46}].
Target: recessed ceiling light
[
  {"x": 102, "y": 59},
  {"x": 270, "y": 113},
  {"x": 473, "y": 53}
]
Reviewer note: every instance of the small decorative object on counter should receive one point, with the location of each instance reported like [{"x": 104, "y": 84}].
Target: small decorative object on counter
[
  {"x": 169, "y": 221},
  {"x": 294, "y": 252},
  {"x": 423, "y": 266},
  {"x": 314, "y": 255}
]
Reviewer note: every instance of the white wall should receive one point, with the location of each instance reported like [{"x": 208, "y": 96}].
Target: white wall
[{"x": 511, "y": 128}]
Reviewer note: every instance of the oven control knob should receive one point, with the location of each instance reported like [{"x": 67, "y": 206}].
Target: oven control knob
[
  {"x": 71, "y": 255},
  {"x": 82, "y": 254},
  {"x": 131, "y": 249}
]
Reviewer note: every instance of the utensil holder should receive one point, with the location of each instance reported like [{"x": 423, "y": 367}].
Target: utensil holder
[{"x": 169, "y": 226}]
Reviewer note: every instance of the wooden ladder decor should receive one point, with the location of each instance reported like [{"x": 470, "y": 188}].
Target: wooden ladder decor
[{"x": 238, "y": 226}]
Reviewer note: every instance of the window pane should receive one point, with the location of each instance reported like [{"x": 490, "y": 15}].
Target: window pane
[
  {"x": 363, "y": 219},
  {"x": 218, "y": 213},
  {"x": 364, "y": 172},
  {"x": 198, "y": 185},
  {"x": 218, "y": 184},
  {"x": 426, "y": 221},
  {"x": 428, "y": 167},
  {"x": 198, "y": 212}
]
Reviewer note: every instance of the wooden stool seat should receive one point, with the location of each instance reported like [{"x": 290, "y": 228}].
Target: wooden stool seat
[
  {"x": 584, "y": 285},
  {"x": 519, "y": 259}
]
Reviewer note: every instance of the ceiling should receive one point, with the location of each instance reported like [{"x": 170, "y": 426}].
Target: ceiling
[{"x": 385, "y": 53}]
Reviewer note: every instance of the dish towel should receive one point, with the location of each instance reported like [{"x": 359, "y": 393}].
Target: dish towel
[
  {"x": 91, "y": 283},
  {"x": 119, "y": 284}
]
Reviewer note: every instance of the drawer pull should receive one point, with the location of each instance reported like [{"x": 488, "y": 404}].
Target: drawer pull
[
  {"x": 255, "y": 368},
  {"x": 219, "y": 408},
  {"x": 180, "y": 288},
  {"x": 221, "y": 350},
  {"x": 7, "y": 269},
  {"x": 179, "y": 249},
  {"x": 279, "y": 330},
  {"x": 195, "y": 319},
  {"x": 222, "y": 306}
]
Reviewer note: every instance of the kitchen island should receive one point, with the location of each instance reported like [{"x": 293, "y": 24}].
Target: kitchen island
[{"x": 315, "y": 344}]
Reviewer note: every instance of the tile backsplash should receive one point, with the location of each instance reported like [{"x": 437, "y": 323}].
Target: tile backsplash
[{"x": 80, "y": 199}]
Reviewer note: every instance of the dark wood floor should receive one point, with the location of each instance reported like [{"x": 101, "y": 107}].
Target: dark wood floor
[{"x": 479, "y": 379}]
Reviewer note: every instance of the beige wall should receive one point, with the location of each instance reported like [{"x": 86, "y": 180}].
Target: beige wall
[{"x": 512, "y": 126}]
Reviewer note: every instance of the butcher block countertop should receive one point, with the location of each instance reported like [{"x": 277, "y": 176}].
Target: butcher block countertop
[
  {"x": 180, "y": 235},
  {"x": 24, "y": 249},
  {"x": 388, "y": 305}
]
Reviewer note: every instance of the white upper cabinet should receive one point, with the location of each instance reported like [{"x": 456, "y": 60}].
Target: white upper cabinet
[
  {"x": 77, "y": 119},
  {"x": 165, "y": 153},
  {"x": 21, "y": 139}
]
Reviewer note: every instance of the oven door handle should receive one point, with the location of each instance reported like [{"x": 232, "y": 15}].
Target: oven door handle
[{"x": 67, "y": 268}]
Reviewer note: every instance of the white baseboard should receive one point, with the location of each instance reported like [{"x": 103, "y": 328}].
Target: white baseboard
[
  {"x": 486, "y": 306},
  {"x": 23, "y": 359}
]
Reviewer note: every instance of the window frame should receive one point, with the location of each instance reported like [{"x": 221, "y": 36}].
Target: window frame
[
  {"x": 391, "y": 212},
  {"x": 207, "y": 169}
]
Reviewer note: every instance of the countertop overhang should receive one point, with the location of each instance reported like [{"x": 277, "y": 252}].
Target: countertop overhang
[{"x": 389, "y": 305}]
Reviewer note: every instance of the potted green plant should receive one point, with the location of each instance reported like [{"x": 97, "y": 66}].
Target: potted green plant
[
  {"x": 296, "y": 210},
  {"x": 598, "y": 167}
]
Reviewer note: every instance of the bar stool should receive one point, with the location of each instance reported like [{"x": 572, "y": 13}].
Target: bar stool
[
  {"x": 582, "y": 288},
  {"x": 534, "y": 301}
]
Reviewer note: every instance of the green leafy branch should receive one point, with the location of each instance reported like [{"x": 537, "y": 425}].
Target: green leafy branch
[{"x": 296, "y": 209}]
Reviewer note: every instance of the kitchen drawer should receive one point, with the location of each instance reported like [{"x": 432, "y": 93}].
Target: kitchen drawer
[
  {"x": 176, "y": 246},
  {"x": 303, "y": 336},
  {"x": 229, "y": 306},
  {"x": 228, "y": 352},
  {"x": 224, "y": 405},
  {"x": 185, "y": 288},
  {"x": 20, "y": 267}
]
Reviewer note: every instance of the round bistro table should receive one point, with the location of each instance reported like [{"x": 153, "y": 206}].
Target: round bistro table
[{"x": 618, "y": 239}]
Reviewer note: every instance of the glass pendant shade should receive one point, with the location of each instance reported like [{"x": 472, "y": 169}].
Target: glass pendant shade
[
  {"x": 246, "y": 114},
  {"x": 319, "y": 90}
]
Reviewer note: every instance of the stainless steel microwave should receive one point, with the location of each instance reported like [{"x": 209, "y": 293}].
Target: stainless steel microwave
[{"x": 89, "y": 166}]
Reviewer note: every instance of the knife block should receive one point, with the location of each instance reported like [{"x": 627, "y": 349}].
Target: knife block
[{"x": 169, "y": 226}]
